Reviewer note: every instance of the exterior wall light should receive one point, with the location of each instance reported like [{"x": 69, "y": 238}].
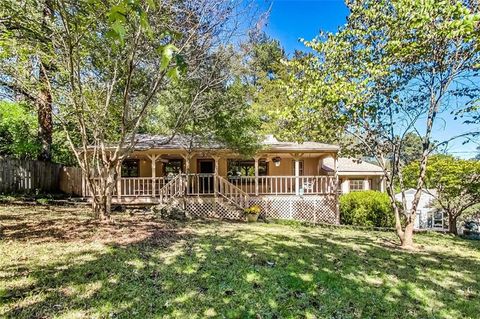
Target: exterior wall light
[{"x": 276, "y": 161}]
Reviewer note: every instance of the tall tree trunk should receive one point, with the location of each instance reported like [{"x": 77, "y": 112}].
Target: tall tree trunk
[
  {"x": 45, "y": 122},
  {"x": 407, "y": 238},
  {"x": 452, "y": 223},
  {"x": 44, "y": 102}
]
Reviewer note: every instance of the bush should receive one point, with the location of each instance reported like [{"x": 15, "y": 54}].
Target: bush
[{"x": 367, "y": 208}]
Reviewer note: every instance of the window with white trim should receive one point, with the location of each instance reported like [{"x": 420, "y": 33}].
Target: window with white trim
[{"x": 356, "y": 185}]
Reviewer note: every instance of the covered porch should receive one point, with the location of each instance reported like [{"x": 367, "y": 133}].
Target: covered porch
[{"x": 145, "y": 174}]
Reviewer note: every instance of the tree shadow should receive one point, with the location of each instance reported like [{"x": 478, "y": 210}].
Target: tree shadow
[{"x": 220, "y": 269}]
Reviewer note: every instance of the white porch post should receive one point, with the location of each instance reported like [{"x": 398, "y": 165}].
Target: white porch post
[
  {"x": 345, "y": 186},
  {"x": 119, "y": 184},
  {"x": 297, "y": 176},
  {"x": 366, "y": 184},
  {"x": 153, "y": 158},
  {"x": 256, "y": 158},
  {"x": 382, "y": 184},
  {"x": 187, "y": 158},
  {"x": 337, "y": 203},
  {"x": 215, "y": 177}
]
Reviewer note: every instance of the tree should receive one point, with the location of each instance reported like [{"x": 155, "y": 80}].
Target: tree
[
  {"x": 18, "y": 131},
  {"x": 389, "y": 72},
  {"x": 114, "y": 62},
  {"x": 27, "y": 66},
  {"x": 457, "y": 184}
]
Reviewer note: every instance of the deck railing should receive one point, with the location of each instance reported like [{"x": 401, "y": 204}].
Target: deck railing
[
  {"x": 200, "y": 184},
  {"x": 173, "y": 188},
  {"x": 205, "y": 184},
  {"x": 285, "y": 185},
  {"x": 232, "y": 193}
]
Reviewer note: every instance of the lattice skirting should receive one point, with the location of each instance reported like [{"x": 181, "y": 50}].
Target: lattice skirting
[
  {"x": 212, "y": 208},
  {"x": 315, "y": 209}
]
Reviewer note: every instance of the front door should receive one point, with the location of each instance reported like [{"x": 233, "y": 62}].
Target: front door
[{"x": 206, "y": 168}]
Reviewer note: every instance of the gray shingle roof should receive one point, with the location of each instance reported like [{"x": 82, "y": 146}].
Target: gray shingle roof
[
  {"x": 146, "y": 141},
  {"x": 272, "y": 143},
  {"x": 351, "y": 165}
]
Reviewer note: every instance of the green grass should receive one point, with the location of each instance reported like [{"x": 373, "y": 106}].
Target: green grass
[{"x": 57, "y": 262}]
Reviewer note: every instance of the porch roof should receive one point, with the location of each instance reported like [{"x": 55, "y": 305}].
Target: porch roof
[
  {"x": 350, "y": 166},
  {"x": 180, "y": 142}
]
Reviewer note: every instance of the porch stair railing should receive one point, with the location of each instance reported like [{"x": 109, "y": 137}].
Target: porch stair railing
[
  {"x": 233, "y": 194},
  {"x": 173, "y": 188}
]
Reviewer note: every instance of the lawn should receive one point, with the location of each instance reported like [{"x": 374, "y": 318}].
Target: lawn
[{"x": 59, "y": 263}]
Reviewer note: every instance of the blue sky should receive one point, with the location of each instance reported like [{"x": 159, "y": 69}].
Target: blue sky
[{"x": 290, "y": 20}]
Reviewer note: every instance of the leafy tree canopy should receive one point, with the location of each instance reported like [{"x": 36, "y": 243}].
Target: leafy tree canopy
[{"x": 457, "y": 183}]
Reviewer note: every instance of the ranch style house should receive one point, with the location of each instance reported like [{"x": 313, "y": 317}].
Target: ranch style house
[{"x": 287, "y": 180}]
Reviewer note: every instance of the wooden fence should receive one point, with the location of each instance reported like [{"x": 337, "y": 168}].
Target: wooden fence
[
  {"x": 71, "y": 181},
  {"x": 28, "y": 176}
]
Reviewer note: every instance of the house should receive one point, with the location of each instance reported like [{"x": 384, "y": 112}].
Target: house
[
  {"x": 428, "y": 216},
  {"x": 356, "y": 175},
  {"x": 286, "y": 179}
]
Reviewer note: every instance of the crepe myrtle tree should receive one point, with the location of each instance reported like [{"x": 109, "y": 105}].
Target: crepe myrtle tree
[
  {"x": 456, "y": 181},
  {"x": 391, "y": 71},
  {"x": 114, "y": 60}
]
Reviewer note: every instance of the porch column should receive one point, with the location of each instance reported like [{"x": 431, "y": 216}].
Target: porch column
[
  {"x": 366, "y": 184},
  {"x": 345, "y": 186},
  {"x": 382, "y": 184},
  {"x": 187, "y": 157},
  {"x": 153, "y": 158},
  {"x": 256, "y": 158},
  {"x": 215, "y": 177},
  {"x": 335, "y": 189},
  {"x": 297, "y": 176},
  {"x": 119, "y": 183}
]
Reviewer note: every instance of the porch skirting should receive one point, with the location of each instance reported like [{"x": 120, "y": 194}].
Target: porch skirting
[{"x": 312, "y": 208}]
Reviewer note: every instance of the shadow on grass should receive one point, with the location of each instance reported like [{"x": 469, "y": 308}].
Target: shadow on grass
[{"x": 243, "y": 271}]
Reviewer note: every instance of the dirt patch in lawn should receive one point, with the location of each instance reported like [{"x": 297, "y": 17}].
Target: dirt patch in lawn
[{"x": 47, "y": 224}]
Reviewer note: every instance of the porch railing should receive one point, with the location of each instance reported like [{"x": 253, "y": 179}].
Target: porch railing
[
  {"x": 285, "y": 185},
  {"x": 232, "y": 193},
  {"x": 174, "y": 188},
  {"x": 205, "y": 184},
  {"x": 142, "y": 186},
  {"x": 200, "y": 184}
]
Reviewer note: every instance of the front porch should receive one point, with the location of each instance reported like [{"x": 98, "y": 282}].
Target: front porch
[
  {"x": 204, "y": 185},
  {"x": 145, "y": 175},
  {"x": 285, "y": 179}
]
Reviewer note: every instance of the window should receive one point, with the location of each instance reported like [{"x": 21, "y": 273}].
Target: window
[
  {"x": 130, "y": 168},
  {"x": 435, "y": 219},
  {"x": 301, "y": 168},
  {"x": 173, "y": 167},
  {"x": 245, "y": 168},
  {"x": 356, "y": 185}
]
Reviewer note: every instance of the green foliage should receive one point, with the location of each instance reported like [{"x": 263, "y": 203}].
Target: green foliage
[
  {"x": 457, "y": 181},
  {"x": 366, "y": 208},
  {"x": 391, "y": 70},
  {"x": 18, "y": 135},
  {"x": 18, "y": 131}
]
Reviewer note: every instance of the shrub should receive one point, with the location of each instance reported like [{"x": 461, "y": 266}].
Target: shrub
[{"x": 367, "y": 208}]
